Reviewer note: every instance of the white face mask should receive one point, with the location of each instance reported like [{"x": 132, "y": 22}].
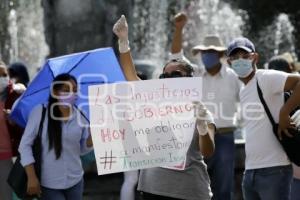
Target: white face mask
[
  {"x": 242, "y": 67},
  {"x": 3, "y": 83}
]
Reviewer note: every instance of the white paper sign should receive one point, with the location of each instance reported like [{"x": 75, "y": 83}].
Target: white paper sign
[{"x": 143, "y": 124}]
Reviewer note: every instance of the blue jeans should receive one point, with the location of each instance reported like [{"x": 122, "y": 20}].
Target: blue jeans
[
  {"x": 272, "y": 183},
  {"x": 221, "y": 167},
  {"x": 72, "y": 193},
  {"x": 295, "y": 194}
]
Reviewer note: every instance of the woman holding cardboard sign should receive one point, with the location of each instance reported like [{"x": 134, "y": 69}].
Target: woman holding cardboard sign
[{"x": 191, "y": 182}]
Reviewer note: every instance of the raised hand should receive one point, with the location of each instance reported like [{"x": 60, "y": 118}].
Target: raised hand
[
  {"x": 121, "y": 28},
  {"x": 180, "y": 20}
]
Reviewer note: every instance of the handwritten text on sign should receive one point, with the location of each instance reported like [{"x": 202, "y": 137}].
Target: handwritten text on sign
[{"x": 142, "y": 124}]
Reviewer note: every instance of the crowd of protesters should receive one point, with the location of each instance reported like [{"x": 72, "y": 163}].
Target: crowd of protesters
[
  {"x": 231, "y": 79},
  {"x": 268, "y": 171}
]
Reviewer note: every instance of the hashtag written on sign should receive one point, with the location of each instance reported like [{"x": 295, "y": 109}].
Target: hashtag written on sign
[{"x": 107, "y": 161}]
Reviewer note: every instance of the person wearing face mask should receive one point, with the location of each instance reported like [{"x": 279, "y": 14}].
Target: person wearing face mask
[
  {"x": 65, "y": 136},
  {"x": 268, "y": 173},
  {"x": 10, "y": 133},
  {"x": 191, "y": 183},
  {"x": 221, "y": 96}
]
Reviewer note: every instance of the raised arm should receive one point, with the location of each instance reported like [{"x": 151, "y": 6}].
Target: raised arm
[
  {"x": 176, "y": 48},
  {"x": 121, "y": 30},
  {"x": 292, "y": 84},
  {"x": 179, "y": 21}
]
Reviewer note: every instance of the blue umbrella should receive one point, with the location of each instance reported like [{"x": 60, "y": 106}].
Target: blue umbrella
[{"x": 92, "y": 67}]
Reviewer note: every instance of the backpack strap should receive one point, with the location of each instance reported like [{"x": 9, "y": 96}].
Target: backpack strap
[{"x": 267, "y": 110}]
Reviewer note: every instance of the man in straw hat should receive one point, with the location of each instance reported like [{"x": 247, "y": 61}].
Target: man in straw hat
[{"x": 220, "y": 95}]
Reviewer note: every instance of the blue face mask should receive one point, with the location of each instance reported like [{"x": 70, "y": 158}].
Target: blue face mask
[
  {"x": 210, "y": 59},
  {"x": 242, "y": 67}
]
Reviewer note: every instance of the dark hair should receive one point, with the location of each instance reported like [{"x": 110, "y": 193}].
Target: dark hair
[
  {"x": 184, "y": 65},
  {"x": 19, "y": 70},
  {"x": 142, "y": 75},
  {"x": 54, "y": 125},
  {"x": 279, "y": 64}
]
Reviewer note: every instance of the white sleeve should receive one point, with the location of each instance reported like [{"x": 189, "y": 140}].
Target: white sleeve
[
  {"x": 30, "y": 133},
  {"x": 274, "y": 81},
  {"x": 176, "y": 56},
  {"x": 179, "y": 56}
]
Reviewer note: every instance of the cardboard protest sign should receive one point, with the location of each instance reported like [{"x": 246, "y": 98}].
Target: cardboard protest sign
[{"x": 143, "y": 124}]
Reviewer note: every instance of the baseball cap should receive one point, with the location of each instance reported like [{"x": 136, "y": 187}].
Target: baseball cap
[{"x": 240, "y": 43}]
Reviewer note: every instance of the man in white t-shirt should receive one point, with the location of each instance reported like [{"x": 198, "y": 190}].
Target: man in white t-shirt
[
  {"x": 268, "y": 173},
  {"x": 284, "y": 63}
]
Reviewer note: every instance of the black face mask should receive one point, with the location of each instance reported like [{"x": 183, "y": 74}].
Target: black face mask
[{"x": 174, "y": 74}]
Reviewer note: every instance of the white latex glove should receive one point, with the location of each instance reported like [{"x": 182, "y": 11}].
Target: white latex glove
[
  {"x": 121, "y": 30},
  {"x": 201, "y": 118}
]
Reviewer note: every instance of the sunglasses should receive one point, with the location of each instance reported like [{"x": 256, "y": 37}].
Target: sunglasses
[{"x": 174, "y": 74}]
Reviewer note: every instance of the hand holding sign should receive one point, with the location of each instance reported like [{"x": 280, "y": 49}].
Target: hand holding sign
[{"x": 201, "y": 116}]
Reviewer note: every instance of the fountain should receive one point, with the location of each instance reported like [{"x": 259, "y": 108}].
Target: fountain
[
  {"x": 277, "y": 38},
  {"x": 27, "y": 40},
  {"x": 212, "y": 17},
  {"x": 150, "y": 28},
  {"x": 152, "y": 25}
]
